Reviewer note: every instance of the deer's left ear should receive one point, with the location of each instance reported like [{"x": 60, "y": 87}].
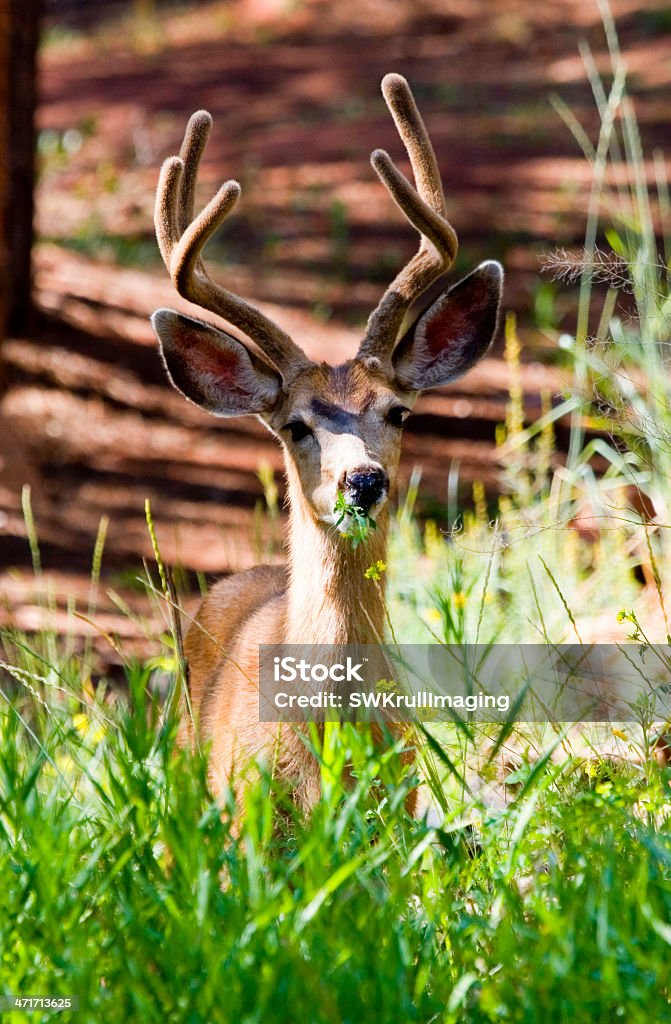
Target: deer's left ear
[{"x": 453, "y": 333}]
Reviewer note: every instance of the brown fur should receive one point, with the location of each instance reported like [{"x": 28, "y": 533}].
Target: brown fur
[{"x": 323, "y": 598}]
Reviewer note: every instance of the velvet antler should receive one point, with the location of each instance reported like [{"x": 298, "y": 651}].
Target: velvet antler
[
  {"x": 424, "y": 206},
  {"x": 181, "y": 239}
]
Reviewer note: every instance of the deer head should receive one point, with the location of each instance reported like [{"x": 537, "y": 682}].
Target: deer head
[{"x": 340, "y": 426}]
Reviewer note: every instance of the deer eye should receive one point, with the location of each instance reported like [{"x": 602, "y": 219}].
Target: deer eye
[
  {"x": 298, "y": 430},
  {"x": 397, "y": 415}
]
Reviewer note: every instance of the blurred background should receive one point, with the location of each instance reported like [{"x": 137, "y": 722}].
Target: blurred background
[{"x": 95, "y": 93}]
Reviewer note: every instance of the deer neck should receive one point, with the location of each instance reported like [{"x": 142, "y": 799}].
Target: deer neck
[{"x": 330, "y": 601}]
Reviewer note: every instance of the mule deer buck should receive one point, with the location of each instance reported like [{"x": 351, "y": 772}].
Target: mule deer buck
[{"x": 340, "y": 429}]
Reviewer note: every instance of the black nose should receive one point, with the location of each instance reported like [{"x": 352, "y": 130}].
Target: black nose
[{"x": 366, "y": 485}]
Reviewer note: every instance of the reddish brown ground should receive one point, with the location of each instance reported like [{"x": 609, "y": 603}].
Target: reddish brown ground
[{"x": 294, "y": 90}]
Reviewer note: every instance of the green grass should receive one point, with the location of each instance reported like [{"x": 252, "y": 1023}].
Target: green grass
[
  {"x": 120, "y": 882},
  {"x": 359, "y": 524},
  {"x": 543, "y": 886}
]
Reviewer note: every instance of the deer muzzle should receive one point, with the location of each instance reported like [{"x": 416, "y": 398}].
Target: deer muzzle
[{"x": 366, "y": 486}]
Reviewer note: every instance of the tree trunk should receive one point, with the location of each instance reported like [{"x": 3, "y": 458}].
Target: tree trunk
[
  {"x": 19, "y": 26},
  {"x": 4, "y": 164}
]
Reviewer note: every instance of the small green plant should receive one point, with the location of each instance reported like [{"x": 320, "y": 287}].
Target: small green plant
[{"x": 359, "y": 525}]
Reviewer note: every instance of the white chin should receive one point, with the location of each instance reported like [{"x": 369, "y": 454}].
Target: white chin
[
  {"x": 334, "y": 522},
  {"x": 331, "y": 519}
]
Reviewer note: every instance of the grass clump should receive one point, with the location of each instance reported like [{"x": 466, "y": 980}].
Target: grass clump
[
  {"x": 122, "y": 882},
  {"x": 359, "y": 524}
]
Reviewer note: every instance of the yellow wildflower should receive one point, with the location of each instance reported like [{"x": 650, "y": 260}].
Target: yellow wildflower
[{"x": 374, "y": 571}]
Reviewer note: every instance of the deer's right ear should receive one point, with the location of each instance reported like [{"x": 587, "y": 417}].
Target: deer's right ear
[{"x": 213, "y": 369}]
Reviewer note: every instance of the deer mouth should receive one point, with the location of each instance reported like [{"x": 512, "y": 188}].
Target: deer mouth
[{"x": 354, "y": 514}]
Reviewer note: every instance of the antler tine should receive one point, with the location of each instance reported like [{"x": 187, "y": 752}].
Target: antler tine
[
  {"x": 424, "y": 207},
  {"x": 193, "y": 146},
  {"x": 412, "y": 130},
  {"x": 182, "y": 238}
]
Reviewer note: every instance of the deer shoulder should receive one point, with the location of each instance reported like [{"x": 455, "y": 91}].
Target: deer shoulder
[{"x": 234, "y": 611}]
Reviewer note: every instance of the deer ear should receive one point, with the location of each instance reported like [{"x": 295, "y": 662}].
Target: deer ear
[
  {"x": 212, "y": 368},
  {"x": 453, "y": 333}
]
